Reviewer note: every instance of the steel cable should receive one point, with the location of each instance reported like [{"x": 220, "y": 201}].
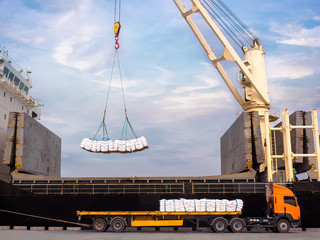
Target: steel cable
[
  {"x": 116, "y": 58},
  {"x": 229, "y": 22},
  {"x": 233, "y": 23},
  {"x": 247, "y": 29},
  {"x": 222, "y": 24}
]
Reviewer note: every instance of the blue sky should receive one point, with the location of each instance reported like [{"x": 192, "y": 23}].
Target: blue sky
[{"x": 175, "y": 97}]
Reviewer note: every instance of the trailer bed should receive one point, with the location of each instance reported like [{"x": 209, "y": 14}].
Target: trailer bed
[{"x": 152, "y": 213}]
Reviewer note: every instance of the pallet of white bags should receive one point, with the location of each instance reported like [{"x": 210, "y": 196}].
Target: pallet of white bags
[
  {"x": 111, "y": 146},
  {"x": 200, "y": 205}
]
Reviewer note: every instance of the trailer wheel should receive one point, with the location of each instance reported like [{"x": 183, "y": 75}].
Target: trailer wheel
[
  {"x": 117, "y": 224},
  {"x": 283, "y": 226},
  {"x": 99, "y": 225},
  {"x": 237, "y": 225},
  {"x": 219, "y": 225}
]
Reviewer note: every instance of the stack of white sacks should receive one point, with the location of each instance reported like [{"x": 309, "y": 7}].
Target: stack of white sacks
[
  {"x": 200, "y": 205},
  {"x": 109, "y": 146}
]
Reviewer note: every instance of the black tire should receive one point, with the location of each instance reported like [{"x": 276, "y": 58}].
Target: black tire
[
  {"x": 118, "y": 224},
  {"x": 99, "y": 225},
  {"x": 274, "y": 229},
  {"x": 219, "y": 225},
  {"x": 237, "y": 225},
  {"x": 283, "y": 226}
]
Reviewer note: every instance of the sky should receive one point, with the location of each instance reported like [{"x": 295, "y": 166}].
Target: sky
[{"x": 174, "y": 95}]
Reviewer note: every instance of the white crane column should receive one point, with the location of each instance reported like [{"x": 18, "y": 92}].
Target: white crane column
[
  {"x": 288, "y": 156},
  {"x": 268, "y": 158},
  {"x": 316, "y": 140},
  {"x": 254, "y": 59}
]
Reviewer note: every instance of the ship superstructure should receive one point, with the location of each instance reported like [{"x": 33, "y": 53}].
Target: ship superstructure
[{"x": 15, "y": 85}]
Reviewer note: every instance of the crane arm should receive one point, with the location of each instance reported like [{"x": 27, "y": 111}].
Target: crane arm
[
  {"x": 229, "y": 52},
  {"x": 208, "y": 50}
]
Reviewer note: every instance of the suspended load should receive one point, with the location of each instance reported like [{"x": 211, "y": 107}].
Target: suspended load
[
  {"x": 110, "y": 146},
  {"x": 122, "y": 145}
]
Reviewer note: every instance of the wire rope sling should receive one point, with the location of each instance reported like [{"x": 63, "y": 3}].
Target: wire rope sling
[{"x": 123, "y": 145}]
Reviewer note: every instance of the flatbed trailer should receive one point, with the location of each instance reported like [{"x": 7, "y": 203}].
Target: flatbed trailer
[
  {"x": 283, "y": 212},
  {"x": 118, "y": 221}
]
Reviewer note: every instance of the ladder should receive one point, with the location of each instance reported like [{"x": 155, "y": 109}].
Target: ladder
[{"x": 288, "y": 155}]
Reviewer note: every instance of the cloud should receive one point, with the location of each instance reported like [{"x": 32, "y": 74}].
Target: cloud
[
  {"x": 295, "y": 97},
  {"x": 293, "y": 34},
  {"x": 115, "y": 82},
  {"x": 72, "y": 53},
  {"x": 316, "y": 18},
  {"x": 291, "y": 66},
  {"x": 197, "y": 103},
  {"x": 78, "y": 38},
  {"x": 74, "y": 33},
  {"x": 207, "y": 82},
  {"x": 100, "y": 73},
  {"x": 143, "y": 94}
]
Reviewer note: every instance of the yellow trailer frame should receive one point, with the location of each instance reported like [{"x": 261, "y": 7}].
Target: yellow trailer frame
[
  {"x": 153, "y": 218},
  {"x": 151, "y": 213}
]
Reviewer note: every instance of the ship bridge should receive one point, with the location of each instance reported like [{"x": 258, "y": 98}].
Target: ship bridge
[{"x": 18, "y": 83}]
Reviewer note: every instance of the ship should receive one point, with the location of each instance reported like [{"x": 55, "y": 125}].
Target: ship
[
  {"x": 39, "y": 196},
  {"x": 32, "y": 192},
  {"x": 15, "y": 85}
]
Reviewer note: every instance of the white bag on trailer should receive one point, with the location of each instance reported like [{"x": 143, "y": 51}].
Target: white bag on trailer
[
  {"x": 211, "y": 203},
  {"x": 200, "y": 205},
  {"x": 239, "y": 205},
  {"x": 170, "y": 205},
  {"x": 163, "y": 205},
  {"x": 197, "y": 205},
  {"x": 189, "y": 205}
]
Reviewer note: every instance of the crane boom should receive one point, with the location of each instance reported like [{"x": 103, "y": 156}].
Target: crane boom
[
  {"x": 257, "y": 95},
  {"x": 208, "y": 50},
  {"x": 254, "y": 81}
]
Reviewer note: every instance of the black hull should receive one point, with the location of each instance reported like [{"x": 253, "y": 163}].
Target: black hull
[{"x": 64, "y": 207}]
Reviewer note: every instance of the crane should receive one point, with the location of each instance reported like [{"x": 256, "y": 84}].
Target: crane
[{"x": 252, "y": 78}]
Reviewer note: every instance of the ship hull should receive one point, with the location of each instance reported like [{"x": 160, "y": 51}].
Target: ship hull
[{"x": 64, "y": 207}]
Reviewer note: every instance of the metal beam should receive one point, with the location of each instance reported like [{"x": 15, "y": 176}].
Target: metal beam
[
  {"x": 287, "y": 146},
  {"x": 259, "y": 88},
  {"x": 208, "y": 50},
  {"x": 268, "y": 158},
  {"x": 316, "y": 140}
]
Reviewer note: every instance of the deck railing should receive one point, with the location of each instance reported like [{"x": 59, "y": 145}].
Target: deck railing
[
  {"x": 182, "y": 187},
  {"x": 106, "y": 189}
]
